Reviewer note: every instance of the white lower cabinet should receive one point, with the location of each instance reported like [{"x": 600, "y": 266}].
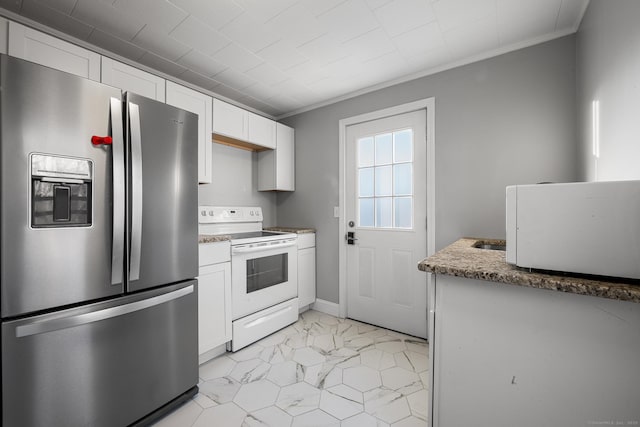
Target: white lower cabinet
[
  {"x": 546, "y": 358},
  {"x": 306, "y": 269},
  {"x": 214, "y": 299}
]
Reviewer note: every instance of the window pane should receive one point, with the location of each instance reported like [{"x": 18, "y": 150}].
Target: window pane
[
  {"x": 383, "y": 212},
  {"x": 403, "y": 212},
  {"x": 365, "y": 152},
  {"x": 383, "y": 180},
  {"x": 366, "y": 213},
  {"x": 402, "y": 179},
  {"x": 365, "y": 182},
  {"x": 384, "y": 149},
  {"x": 402, "y": 146}
]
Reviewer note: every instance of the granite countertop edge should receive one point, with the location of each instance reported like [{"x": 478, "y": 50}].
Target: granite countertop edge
[
  {"x": 297, "y": 230},
  {"x": 462, "y": 259},
  {"x": 213, "y": 238}
]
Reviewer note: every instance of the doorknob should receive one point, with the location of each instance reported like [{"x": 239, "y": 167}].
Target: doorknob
[{"x": 351, "y": 238}]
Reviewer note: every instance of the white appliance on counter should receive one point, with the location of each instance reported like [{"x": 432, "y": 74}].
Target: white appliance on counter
[
  {"x": 587, "y": 227},
  {"x": 264, "y": 271}
]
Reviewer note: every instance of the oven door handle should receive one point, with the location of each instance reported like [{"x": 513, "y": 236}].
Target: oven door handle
[{"x": 253, "y": 249}]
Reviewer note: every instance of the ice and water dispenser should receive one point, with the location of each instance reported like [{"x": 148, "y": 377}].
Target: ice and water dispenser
[{"x": 61, "y": 191}]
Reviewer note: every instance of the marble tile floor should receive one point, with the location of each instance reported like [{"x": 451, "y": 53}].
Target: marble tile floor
[{"x": 320, "y": 371}]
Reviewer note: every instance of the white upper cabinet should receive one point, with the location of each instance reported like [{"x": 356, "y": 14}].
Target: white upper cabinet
[
  {"x": 200, "y": 104},
  {"x": 34, "y": 46},
  {"x": 131, "y": 79},
  {"x": 285, "y": 158},
  {"x": 230, "y": 121},
  {"x": 4, "y": 33},
  {"x": 276, "y": 168},
  {"x": 262, "y": 131},
  {"x": 241, "y": 128}
]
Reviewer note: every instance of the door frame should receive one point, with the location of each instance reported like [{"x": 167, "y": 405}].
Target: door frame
[{"x": 427, "y": 104}]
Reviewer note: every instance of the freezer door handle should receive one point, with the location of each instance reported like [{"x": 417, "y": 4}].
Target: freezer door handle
[
  {"x": 136, "y": 191},
  {"x": 117, "y": 155},
  {"x": 44, "y": 326}
]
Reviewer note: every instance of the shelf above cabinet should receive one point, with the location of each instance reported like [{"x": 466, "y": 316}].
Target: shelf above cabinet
[{"x": 236, "y": 143}]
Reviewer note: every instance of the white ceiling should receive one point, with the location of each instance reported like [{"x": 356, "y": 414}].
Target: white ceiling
[{"x": 284, "y": 56}]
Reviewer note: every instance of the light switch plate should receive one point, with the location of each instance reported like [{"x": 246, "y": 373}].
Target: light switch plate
[{"x": 336, "y": 211}]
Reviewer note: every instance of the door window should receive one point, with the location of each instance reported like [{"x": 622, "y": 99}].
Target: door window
[{"x": 385, "y": 180}]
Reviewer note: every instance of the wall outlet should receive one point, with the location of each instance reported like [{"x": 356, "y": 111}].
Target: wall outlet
[{"x": 336, "y": 211}]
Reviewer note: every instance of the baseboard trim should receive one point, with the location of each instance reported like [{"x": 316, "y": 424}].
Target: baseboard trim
[
  {"x": 326, "y": 307},
  {"x": 212, "y": 354}
]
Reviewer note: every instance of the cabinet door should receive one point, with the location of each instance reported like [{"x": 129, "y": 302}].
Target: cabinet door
[
  {"x": 262, "y": 131},
  {"x": 276, "y": 168},
  {"x": 43, "y": 49},
  {"x": 285, "y": 158},
  {"x": 202, "y": 105},
  {"x": 306, "y": 276},
  {"x": 229, "y": 120},
  {"x": 4, "y": 34},
  {"x": 131, "y": 79},
  {"x": 214, "y": 306}
]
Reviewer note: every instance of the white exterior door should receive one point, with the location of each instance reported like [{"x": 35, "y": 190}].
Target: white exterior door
[{"x": 386, "y": 210}]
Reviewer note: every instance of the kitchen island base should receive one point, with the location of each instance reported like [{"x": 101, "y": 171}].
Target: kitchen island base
[{"x": 512, "y": 355}]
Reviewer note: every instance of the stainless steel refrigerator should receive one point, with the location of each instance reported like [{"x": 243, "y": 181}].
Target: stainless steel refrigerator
[{"x": 99, "y": 251}]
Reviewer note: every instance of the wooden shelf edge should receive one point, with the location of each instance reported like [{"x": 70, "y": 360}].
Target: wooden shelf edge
[{"x": 236, "y": 143}]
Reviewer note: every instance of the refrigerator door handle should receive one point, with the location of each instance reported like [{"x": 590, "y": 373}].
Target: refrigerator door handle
[
  {"x": 40, "y": 327},
  {"x": 117, "y": 154},
  {"x": 136, "y": 190}
]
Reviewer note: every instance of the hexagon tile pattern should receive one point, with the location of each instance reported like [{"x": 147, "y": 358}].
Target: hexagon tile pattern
[{"x": 319, "y": 371}]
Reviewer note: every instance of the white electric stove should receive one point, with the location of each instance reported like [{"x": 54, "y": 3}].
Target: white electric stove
[{"x": 264, "y": 272}]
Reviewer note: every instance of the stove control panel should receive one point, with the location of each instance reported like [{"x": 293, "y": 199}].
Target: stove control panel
[{"x": 225, "y": 214}]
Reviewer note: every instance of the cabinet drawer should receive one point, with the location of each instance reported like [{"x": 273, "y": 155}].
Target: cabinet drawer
[
  {"x": 251, "y": 328},
  {"x": 213, "y": 253},
  {"x": 306, "y": 240}
]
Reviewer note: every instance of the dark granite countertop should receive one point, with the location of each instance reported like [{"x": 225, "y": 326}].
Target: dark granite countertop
[
  {"x": 213, "y": 238},
  {"x": 297, "y": 230},
  {"x": 462, "y": 259}
]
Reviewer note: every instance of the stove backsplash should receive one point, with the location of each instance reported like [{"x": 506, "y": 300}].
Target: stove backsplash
[{"x": 235, "y": 183}]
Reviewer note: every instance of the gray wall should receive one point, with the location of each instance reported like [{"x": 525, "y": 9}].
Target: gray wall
[
  {"x": 235, "y": 177},
  {"x": 608, "y": 62},
  {"x": 506, "y": 120}
]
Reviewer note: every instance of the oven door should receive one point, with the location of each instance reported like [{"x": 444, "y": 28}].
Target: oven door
[{"x": 263, "y": 275}]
